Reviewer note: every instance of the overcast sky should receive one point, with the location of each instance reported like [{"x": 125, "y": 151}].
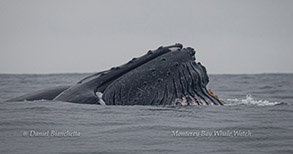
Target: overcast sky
[{"x": 61, "y": 36}]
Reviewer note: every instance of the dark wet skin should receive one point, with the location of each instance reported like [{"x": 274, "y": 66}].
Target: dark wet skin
[{"x": 166, "y": 76}]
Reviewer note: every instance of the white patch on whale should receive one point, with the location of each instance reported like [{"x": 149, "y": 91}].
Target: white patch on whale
[
  {"x": 174, "y": 48},
  {"x": 100, "y": 96}
]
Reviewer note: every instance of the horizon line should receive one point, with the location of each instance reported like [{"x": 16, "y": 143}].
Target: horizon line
[{"x": 55, "y": 73}]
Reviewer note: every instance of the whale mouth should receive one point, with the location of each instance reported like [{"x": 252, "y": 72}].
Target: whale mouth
[
  {"x": 165, "y": 76},
  {"x": 167, "y": 79}
]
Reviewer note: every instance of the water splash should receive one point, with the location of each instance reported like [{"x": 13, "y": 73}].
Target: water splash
[{"x": 249, "y": 100}]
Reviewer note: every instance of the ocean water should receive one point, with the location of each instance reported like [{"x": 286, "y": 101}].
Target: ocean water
[{"x": 256, "y": 119}]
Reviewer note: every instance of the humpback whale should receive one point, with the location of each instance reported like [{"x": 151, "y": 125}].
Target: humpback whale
[{"x": 166, "y": 76}]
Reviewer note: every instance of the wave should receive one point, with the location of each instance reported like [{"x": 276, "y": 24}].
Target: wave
[{"x": 249, "y": 100}]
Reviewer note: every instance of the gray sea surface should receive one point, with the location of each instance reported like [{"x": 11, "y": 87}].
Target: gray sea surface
[{"x": 258, "y": 118}]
